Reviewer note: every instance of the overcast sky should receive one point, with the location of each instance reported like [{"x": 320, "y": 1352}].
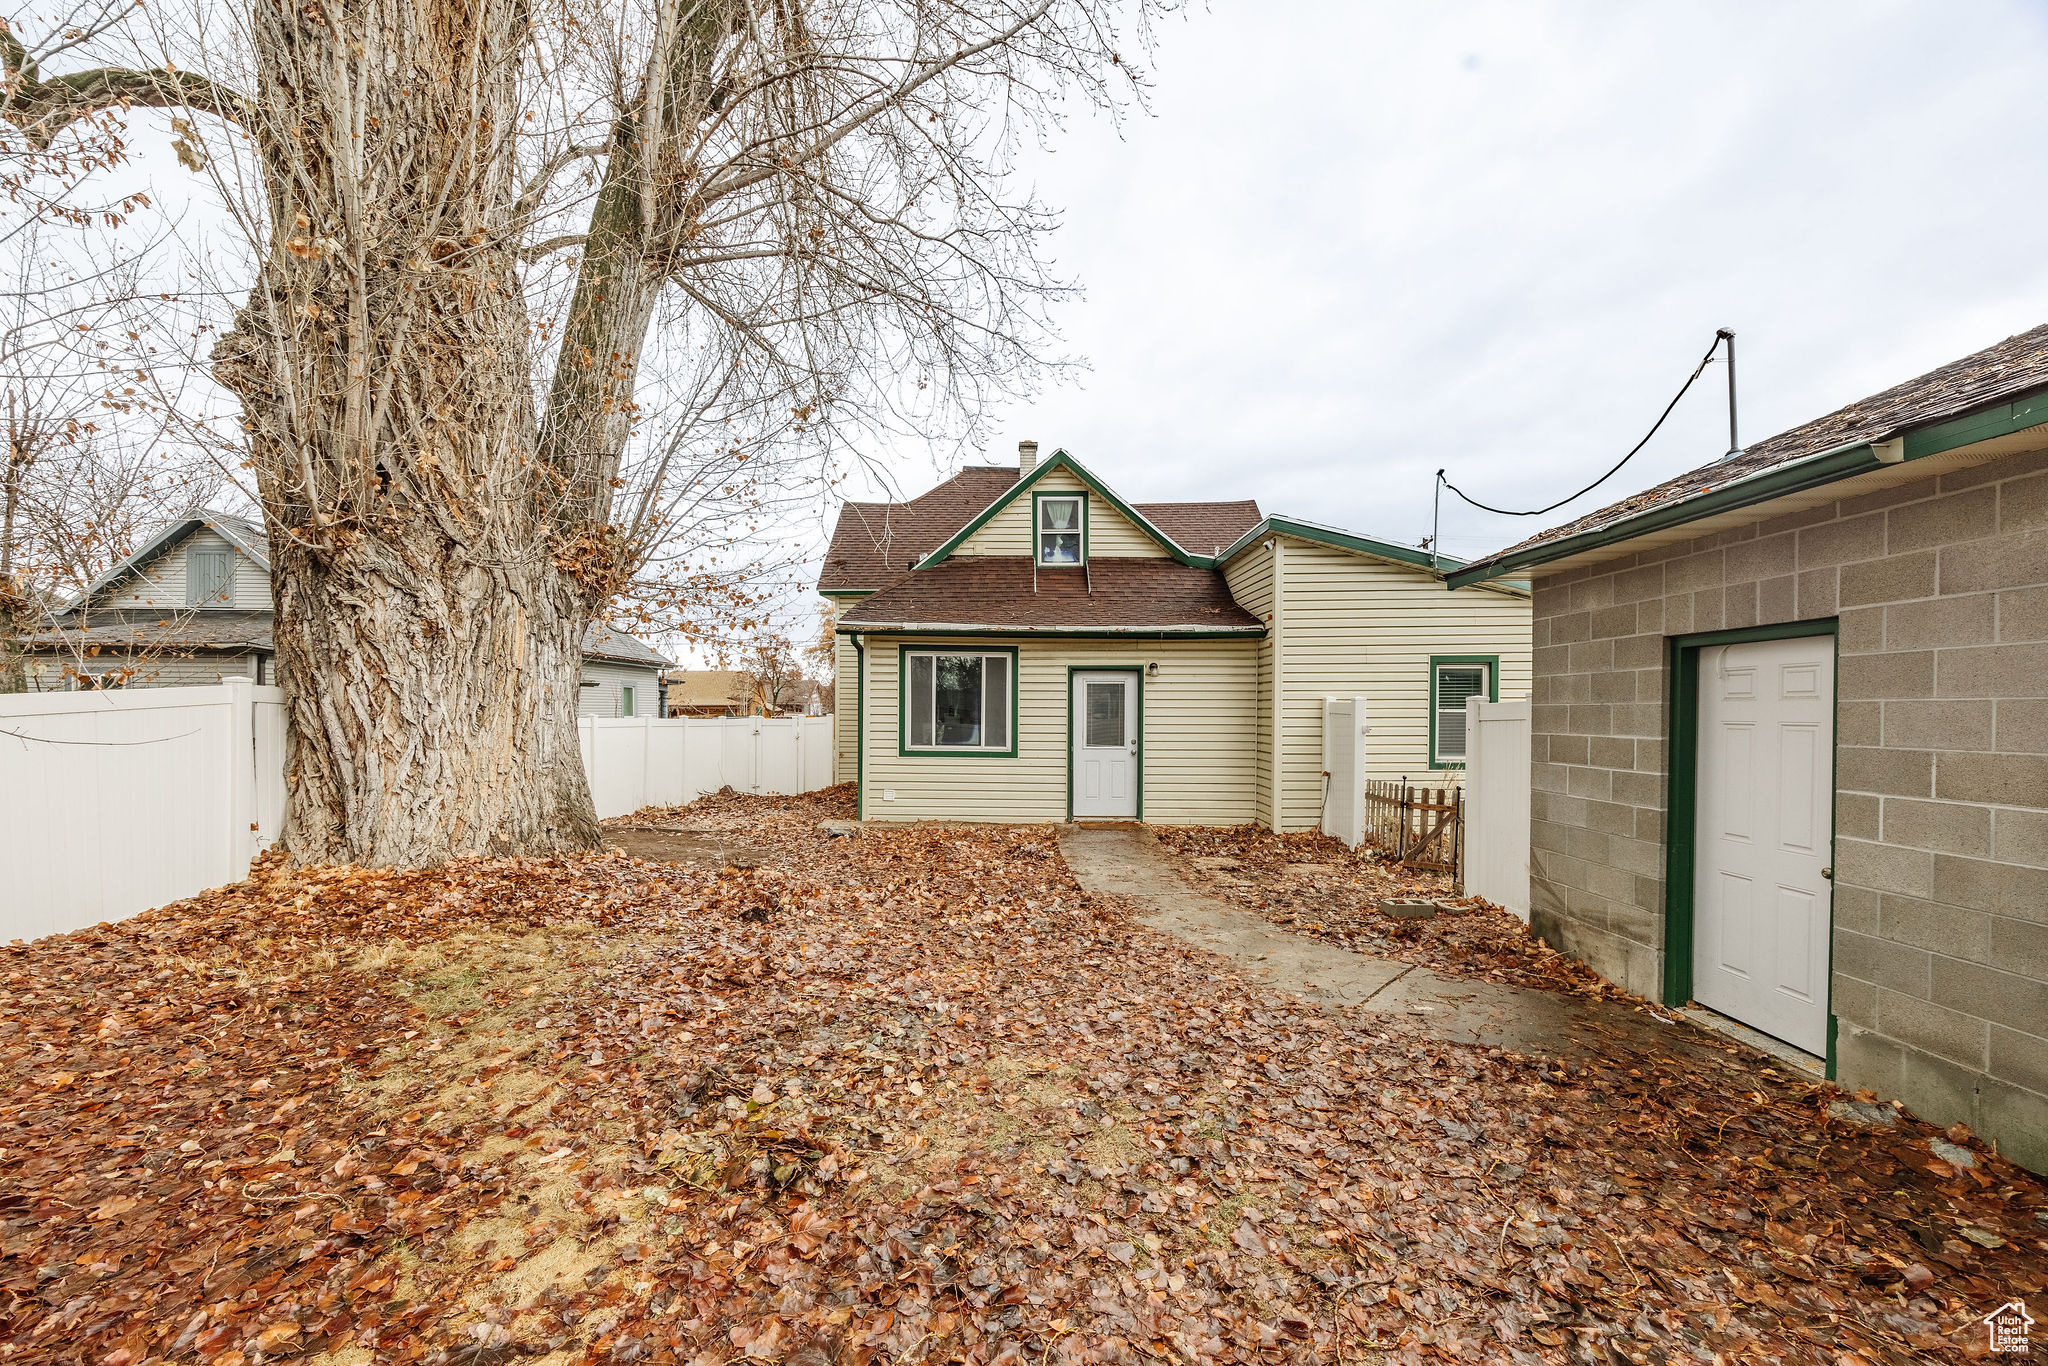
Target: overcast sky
[{"x": 1358, "y": 241}]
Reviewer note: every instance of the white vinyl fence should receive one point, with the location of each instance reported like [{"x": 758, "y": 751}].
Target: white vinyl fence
[
  {"x": 636, "y": 761},
  {"x": 1344, "y": 732},
  {"x": 1497, "y": 802},
  {"x": 114, "y": 802}
]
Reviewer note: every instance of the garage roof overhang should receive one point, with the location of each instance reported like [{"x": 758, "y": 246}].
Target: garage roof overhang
[{"x": 2008, "y": 429}]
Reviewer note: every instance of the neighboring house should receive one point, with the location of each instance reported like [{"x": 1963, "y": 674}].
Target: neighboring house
[
  {"x": 193, "y": 606},
  {"x": 621, "y": 675},
  {"x": 1021, "y": 644},
  {"x": 1791, "y": 740},
  {"x": 811, "y": 699},
  {"x": 710, "y": 692}
]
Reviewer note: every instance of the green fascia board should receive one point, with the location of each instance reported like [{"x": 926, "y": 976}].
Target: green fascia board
[
  {"x": 1337, "y": 539},
  {"x": 1052, "y": 632},
  {"x": 847, "y": 592},
  {"x": 1936, "y": 438},
  {"x": 1058, "y": 459}
]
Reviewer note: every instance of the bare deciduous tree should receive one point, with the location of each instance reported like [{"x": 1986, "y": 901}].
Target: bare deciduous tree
[
  {"x": 85, "y": 473},
  {"x": 770, "y": 674},
  {"x": 484, "y": 229}
]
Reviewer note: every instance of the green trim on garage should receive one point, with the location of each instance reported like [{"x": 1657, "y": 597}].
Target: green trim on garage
[
  {"x": 1681, "y": 821},
  {"x": 1797, "y": 476}
]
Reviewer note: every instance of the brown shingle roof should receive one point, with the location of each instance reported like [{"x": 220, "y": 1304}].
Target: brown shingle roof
[
  {"x": 875, "y": 542},
  {"x": 1202, "y": 528},
  {"x": 2000, "y": 372},
  {"x": 1128, "y": 594},
  {"x": 602, "y": 642},
  {"x": 124, "y": 630},
  {"x": 706, "y": 687}
]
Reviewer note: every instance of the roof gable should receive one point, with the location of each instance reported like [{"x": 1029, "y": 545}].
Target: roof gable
[
  {"x": 247, "y": 539},
  {"x": 1058, "y": 460}
]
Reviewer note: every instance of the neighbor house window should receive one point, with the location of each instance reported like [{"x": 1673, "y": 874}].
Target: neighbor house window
[
  {"x": 1451, "y": 681},
  {"x": 209, "y": 577},
  {"x": 1060, "y": 529},
  {"x": 959, "y": 702},
  {"x": 626, "y": 699}
]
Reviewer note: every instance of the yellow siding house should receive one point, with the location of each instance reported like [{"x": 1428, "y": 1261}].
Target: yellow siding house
[{"x": 1021, "y": 644}]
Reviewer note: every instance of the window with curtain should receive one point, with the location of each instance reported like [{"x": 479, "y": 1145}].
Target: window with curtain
[
  {"x": 958, "y": 701},
  {"x": 1059, "y": 531},
  {"x": 209, "y": 577},
  {"x": 1452, "y": 684},
  {"x": 626, "y": 699}
]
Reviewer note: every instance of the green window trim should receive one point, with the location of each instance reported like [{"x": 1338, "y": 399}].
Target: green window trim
[
  {"x": 1038, "y": 531},
  {"x": 1060, "y": 460},
  {"x": 1681, "y": 811},
  {"x": 904, "y": 749},
  {"x": 1492, "y": 663},
  {"x": 1137, "y": 670}
]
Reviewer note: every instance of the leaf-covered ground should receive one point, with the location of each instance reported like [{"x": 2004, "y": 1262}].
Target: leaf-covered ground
[
  {"x": 1314, "y": 885},
  {"x": 907, "y": 1097}
]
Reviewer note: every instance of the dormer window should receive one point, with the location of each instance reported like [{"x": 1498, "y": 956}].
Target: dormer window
[{"x": 1062, "y": 529}]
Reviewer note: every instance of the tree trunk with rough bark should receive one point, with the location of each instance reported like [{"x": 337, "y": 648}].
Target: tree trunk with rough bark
[
  {"x": 433, "y": 576},
  {"x": 821, "y": 182}
]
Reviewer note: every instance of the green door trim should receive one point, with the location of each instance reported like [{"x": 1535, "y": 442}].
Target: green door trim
[
  {"x": 1138, "y": 671},
  {"x": 1681, "y": 733}
]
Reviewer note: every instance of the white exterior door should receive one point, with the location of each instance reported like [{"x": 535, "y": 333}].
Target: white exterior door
[
  {"x": 1105, "y": 760},
  {"x": 1764, "y": 830}
]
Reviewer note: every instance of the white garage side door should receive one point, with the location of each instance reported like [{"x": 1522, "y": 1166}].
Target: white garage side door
[{"x": 1765, "y": 826}]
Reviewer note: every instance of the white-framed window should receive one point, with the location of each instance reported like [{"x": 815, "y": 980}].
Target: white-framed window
[
  {"x": 959, "y": 701},
  {"x": 1451, "y": 681},
  {"x": 1061, "y": 523},
  {"x": 625, "y": 699}
]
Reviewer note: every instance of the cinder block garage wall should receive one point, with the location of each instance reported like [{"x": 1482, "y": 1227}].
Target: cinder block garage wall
[{"x": 1941, "y": 850}]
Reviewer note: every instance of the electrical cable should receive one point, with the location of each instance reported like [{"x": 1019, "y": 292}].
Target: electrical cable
[{"x": 1698, "y": 370}]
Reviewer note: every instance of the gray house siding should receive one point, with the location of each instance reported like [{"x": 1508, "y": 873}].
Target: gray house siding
[
  {"x": 1940, "y": 945},
  {"x": 605, "y": 699},
  {"x": 161, "y": 583},
  {"x": 50, "y": 674}
]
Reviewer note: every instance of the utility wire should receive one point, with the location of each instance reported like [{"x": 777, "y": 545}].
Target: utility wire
[{"x": 1698, "y": 370}]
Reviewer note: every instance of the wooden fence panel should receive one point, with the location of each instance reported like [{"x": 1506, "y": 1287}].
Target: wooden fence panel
[{"x": 1417, "y": 826}]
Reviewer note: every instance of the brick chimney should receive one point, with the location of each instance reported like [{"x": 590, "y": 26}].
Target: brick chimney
[{"x": 1027, "y": 457}]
